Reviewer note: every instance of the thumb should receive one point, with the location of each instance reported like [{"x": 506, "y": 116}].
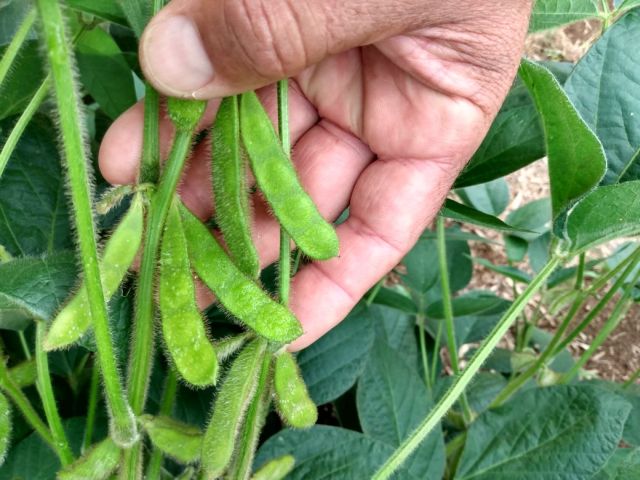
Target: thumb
[{"x": 214, "y": 48}]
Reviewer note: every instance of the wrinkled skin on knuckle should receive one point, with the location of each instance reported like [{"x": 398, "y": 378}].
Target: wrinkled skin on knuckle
[{"x": 270, "y": 38}]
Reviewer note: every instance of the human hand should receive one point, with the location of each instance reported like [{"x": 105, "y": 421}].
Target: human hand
[{"x": 388, "y": 100}]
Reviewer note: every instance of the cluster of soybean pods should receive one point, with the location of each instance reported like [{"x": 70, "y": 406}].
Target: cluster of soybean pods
[{"x": 261, "y": 368}]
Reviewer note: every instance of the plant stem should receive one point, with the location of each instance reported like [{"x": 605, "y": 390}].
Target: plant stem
[
  {"x": 460, "y": 383},
  {"x": 16, "y": 43},
  {"x": 580, "y": 273},
  {"x": 142, "y": 344},
  {"x": 24, "y": 345},
  {"x": 150, "y": 162},
  {"x": 619, "y": 283},
  {"x": 374, "y": 292},
  {"x": 154, "y": 468},
  {"x": 420, "y": 320},
  {"x": 284, "y": 261},
  {"x": 25, "y": 117},
  {"x": 124, "y": 429},
  {"x": 45, "y": 389},
  {"x": 622, "y": 306},
  {"x": 92, "y": 408},
  {"x": 448, "y": 313},
  {"x": 632, "y": 379},
  {"x": 436, "y": 353},
  {"x": 21, "y": 401}
]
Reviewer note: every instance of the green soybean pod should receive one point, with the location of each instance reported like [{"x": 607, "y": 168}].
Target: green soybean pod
[
  {"x": 237, "y": 293},
  {"x": 230, "y": 188},
  {"x": 183, "y": 328},
  {"x": 97, "y": 464},
  {"x": 175, "y": 439},
  {"x": 25, "y": 373},
  {"x": 230, "y": 407},
  {"x": 5, "y": 427},
  {"x": 185, "y": 114},
  {"x": 275, "y": 469},
  {"x": 292, "y": 397},
  {"x": 119, "y": 252},
  {"x": 249, "y": 436},
  {"x": 278, "y": 181}
]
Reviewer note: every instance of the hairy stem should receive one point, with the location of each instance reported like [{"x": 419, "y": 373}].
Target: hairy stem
[
  {"x": 448, "y": 312},
  {"x": 92, "y": 408},
  {"x": 460, "y": 383},
  {"x": 12, "y": 389},
  {"x": 420, "y": 320},
  {"x": 24, "y": 119},
  {"x": 17, "y": 41},
  {"x": 284, "y": 261},
  {"x": 45, "y": 389},
  {"x": 154, "y": 469},
  {"x": 124, "y": 430}
]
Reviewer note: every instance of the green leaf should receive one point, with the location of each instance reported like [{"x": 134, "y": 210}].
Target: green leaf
[
  {"x": 606, "y": 213},
  {"x": 33, "y": 182},
  {"x": 394, "y": 299},
  {"x": 463, "y": 213},
  {"x": 506, "y": 270},
  {"x": 422, "y": 266},
  {"x": 22, "y": 81},
  {"x": 567, "y": 433},
  {"x": 392, "y": 400},
  {"x": 105, "y": 72},
  {"x": 330, "y": 453},
  {"x": 138, "y": 13},
  {"x": 32, "y": 459},
  {"x": 516, "y": 248},
  {"x": 554, "y": 13},
  {"x": 484, "y": 388},
  {"x": 491, "y": 197},
  {"x": 331, "y": 365},
  {"x": 514, "y": 140},
  {"x": 479, "y": 312},
  {"x": 34, "y": 288},
  {"x": 397, "y": 330},
  {"x": 603, "y": 87},
  {"x": 533, "y": 217},
  {"x": 627, "y": 5},
  {"x": 106, "y": 9},
  {"x": 623, "y": 465},
  {"x": 577, "y": 161}
]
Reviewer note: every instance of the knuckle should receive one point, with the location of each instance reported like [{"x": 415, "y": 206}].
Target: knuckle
[{"x": 268, "y": 35}]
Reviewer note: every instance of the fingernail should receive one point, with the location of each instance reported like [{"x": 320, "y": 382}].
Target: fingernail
[{"x": 174, "y": 57}]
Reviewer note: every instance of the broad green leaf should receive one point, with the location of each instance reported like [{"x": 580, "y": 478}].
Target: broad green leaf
[
  {"x": 515, "y": 248},
  {"x": 606, "y": 213},
  {"x": 631, "y": 394},
  {"x": 330, "y": 453},
  {"x": 480, "y": 311},
  {"x": 33, "y": 182},
  {"x": 534, "y": 218},
  {"x": 106, "y": 9},
  {"x": 604, "y": 89},
  {"x": 32, "y": 459},
  {"x": 624, "y": 464},
  {"x": 460, "y": 236},
  {"x": 484, "y": 388},
  {"x": 24, "y": 78},
  {"x": 5, "y": 426},
  {"x": 491, "y": 197},
  {"x": 627, "y": 5},
  {"x": 34, "y": 288},
  {"x": 331, "y": 365},
  {"x": 554, "y": 13},
  {"x": 394, "y": 299},
  {"x": 506, "y": 270},
  {"x": 568, "y": 432},
  {"x": 104, "y": 72},
  {"x": 463, "y": 213},
  {"x": 422, "y": 266},
  {"x": 392, "y": 400},
  {"x": 138, "y": 13},
  {"x": 576, "y": 158},
  {"x": 397, "y": 330},
  {"x": 515, "y": 138}
]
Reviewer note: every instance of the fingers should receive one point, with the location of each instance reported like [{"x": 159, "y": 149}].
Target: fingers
[
  {"x": 207, "y": 49},
  {"x": 392, "y": 203}
]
